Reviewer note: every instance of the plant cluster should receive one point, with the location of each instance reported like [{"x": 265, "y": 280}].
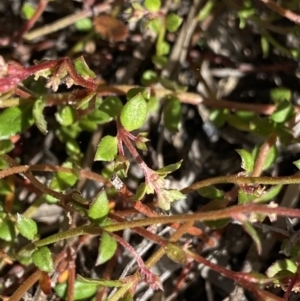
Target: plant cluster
[{"x": 66, "y": 98}]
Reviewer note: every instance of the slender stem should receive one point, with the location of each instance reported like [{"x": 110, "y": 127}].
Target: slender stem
[{"x": 25, "y": 286}]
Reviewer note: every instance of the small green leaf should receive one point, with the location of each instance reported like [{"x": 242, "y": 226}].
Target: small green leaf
[
  {"x": 297, "y": 163},
  {"x": 167, "y": 197},
  {"x": 152, "y": 5},
  {"x": 149, "y": 77},
  {"x": 107, "y": 248},
  {"x": 169, "y": 168},
  {"x": 140, "y": 192},
  {"x": 111, "y": 106},
  {"x": 134, "y": 113},
  {"x": 247, "y": 160},
  {"x": 38, "y": 115},
  {"x": 175, "y": 253},
  {"x": 64, "y": 180},
  {"x": 100, "y": 282},
  {"x": 42, "y": 258},
  {"x": 244, "y": 197},
  {"x": 159, "y": 61},
  {"x": 28, "y": 10},
  {"x": 83, "y": 69},
  {"x": 163, "y": 48},
  {"x": 172, "y": 114},
  {"x": 27, "y": 227},
  {"x": 262, "y": 126},
  {"x": 107, "y": 149},
  {"x": 253, "y": 233},
  {"x": 279, "y": 94},
  {"x": 7, "y": 230},
  {"x": 270, "y": 159},
  {"x": 171, "y": 85},
  {"x": 205, "y": 11},
  {"x": 218, "y": 117},
  {"x": 83, "y": 103},
  {"x": 135, "y": 91},
  {"x": 173, "y": 22},
  {"x": 265, "y": 46},
  {"x": 5, "y": 188},
  {"x": 99, "y": 208},
  {"x": 269, "y": 195},
  {"x": 84, "y": 24},
  {"x": 66, "y": 115},
  {"x": 210, "y": 192},
  {"x": 15, "y": 120},
  {"x": 6, "y": 146},
  {"x": 82, "y": 291},
  {"x": 283, "y": 112},
  {"x": 155, "y": 25},
  {"x": 279, "y": 265}
]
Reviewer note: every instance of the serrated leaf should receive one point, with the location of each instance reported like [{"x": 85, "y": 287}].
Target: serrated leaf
[
  {"x": 100, "y": 282},
  {"x": 247, "y": 160},
  {"x": 82, "y": 291},
  {"x": 38, "y": 115},
  {"x": 66, "y": 115},
  {"x": 280, "y": 94},
  {"x": 6, "y": 146},
  {"x": 83, "y": 69},
  {"x": 15, "y": 120},
  {"x": 172, "y": 114},
  {"x": 7, "y": 230},
  {"x": 100, "y": 207},
  {"x": 107, "y": 149},
  {"x": 107, "y": 248},
  {"x": 27, "y": 227},
  {"x": 152, "y": 5},
  {"x": 284, "y": 111},
  {"x": 210, "y": 192},
  {"x": 173, "y": 22},
  {"x": 42, "y": 258},
  {"x": 84, "y": 24},
  {"x": 169, "y": 168},
  {"x": 175, "y": 253},
  {"x": 134, "y": 113},
  {"x": 253, "y": 233}
]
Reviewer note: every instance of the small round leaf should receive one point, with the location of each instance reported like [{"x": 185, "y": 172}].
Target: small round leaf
[
  {"x": 173, "y": 22},
  {"x": 38, "y": 115},
  {"x": 107, "y": 149},
  {"x": 152, "y": 5},
  {"x": 27, "y": 227},
  {"x": 99, "y": 208},
  {"x": 107, "y": 248},
  {"x": 43, "y": 260},
  {"x": 172, "y": 114},
  {"x": 134, "y": 113}
]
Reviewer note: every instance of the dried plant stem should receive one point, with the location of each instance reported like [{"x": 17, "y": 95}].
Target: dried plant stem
[
  {"x": 65, "y": 22},
  {"x": 282, "y": 11},
  {"x": 262, "y": 155},
  {"x": 25, "y": 286}
]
